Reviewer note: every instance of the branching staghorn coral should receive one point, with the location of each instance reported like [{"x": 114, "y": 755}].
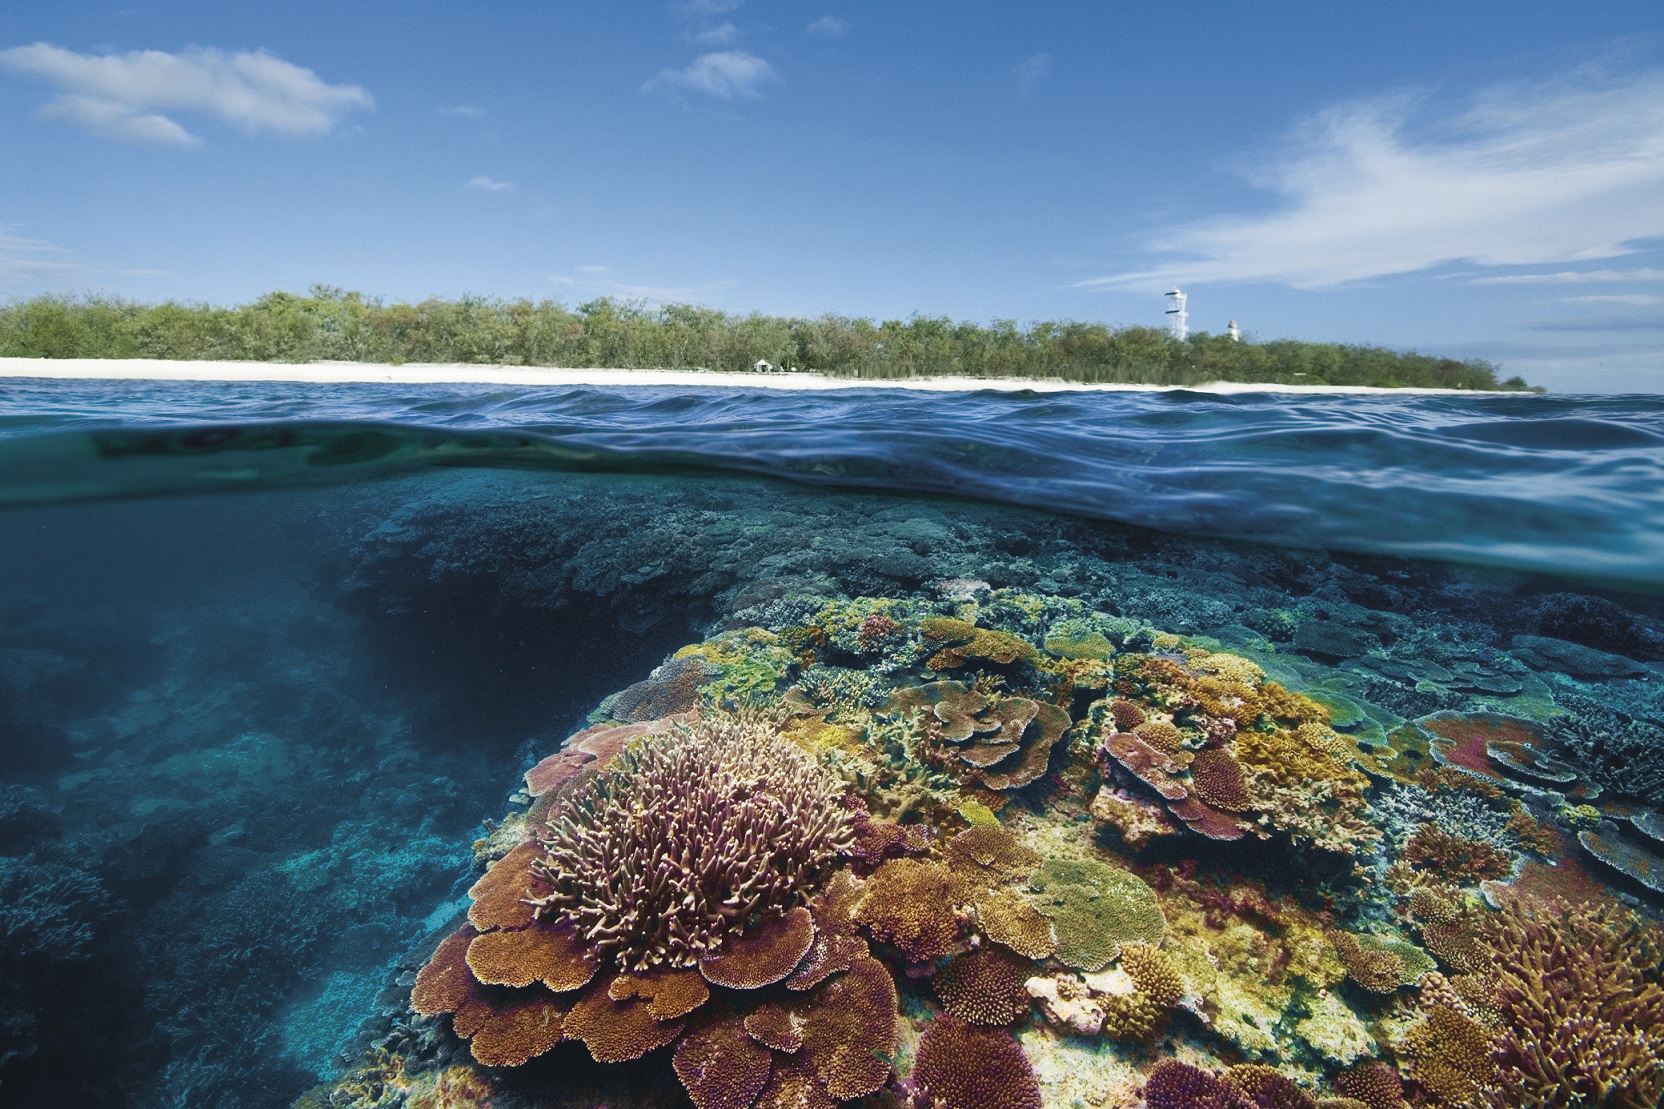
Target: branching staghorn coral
[
  {"x": 1580, "y": 993},
  {"x": 685, "y": 839}
]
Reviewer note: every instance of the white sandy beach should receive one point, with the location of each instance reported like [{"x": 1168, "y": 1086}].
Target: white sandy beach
[{"x": 413, "y": 373}]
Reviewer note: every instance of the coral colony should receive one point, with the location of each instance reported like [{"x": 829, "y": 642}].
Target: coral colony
[{"x": 998, "y": 851}]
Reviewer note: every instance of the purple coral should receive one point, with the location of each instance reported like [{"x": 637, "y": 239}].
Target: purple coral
[{"x": 686, "y": 839}]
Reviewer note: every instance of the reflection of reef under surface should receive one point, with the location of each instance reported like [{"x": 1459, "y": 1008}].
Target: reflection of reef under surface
[{"x": 1105, "y": 833}]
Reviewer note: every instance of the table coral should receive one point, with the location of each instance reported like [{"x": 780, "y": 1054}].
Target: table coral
[
  {"x": 912, "y": 904},
  {"x": 1094, "y": 908}
]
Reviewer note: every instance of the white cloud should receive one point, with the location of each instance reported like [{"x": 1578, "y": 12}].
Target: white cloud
[
  {"x": 726, "y": 75},
  {"x": 1525, "y": 176},
  {"x": 463, "y": 111},
  {"x": 125, "y": 96},
  {"x": 1572, "y": 277},
  {"x": 830, "y": 26},
  {"x": 712, "y": 7},
  {"x": 716, "y": 36},
  {"x": 1628, "y": 299},
  {"x": 1030, "y": 71},
  {"x": 489, "y": 185}
]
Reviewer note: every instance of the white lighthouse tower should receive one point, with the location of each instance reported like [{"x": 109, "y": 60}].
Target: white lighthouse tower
[
  {"x": 1177, "y": 318},
  {"x": 1234, "y": 333}
]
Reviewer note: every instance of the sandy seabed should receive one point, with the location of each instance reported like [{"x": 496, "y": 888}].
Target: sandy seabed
[{"x": 423, "y": 373}]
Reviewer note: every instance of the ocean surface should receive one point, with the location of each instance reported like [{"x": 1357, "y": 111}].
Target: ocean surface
[{"x": 274, "y": 658}]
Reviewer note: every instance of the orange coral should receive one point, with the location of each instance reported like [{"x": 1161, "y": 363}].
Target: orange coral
[
  {"x": 961, "y": 1066},
  {"x": 911, "y": 903},
  {"x": 764, "y": 954},
  {"x": 509, "y": 1034},
  {"x": 985, "y": 987},
  {"x": 721, "y": 1067}
]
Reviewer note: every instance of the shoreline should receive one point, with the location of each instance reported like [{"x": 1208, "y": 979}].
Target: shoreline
[{"x": 415, "y": 373}]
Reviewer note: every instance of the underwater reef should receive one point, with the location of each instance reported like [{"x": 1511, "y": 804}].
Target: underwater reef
[
  {"x": 1244, "y": 829},
  {"x": 810, "y": 798}
]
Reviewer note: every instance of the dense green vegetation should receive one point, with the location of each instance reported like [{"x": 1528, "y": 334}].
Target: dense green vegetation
[{"x": 332, "y": 325}]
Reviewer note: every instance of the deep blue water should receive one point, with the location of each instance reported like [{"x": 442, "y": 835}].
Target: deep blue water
[
  {"x": 250, "y": 730},
  {"x": 1561, "y": 485}
]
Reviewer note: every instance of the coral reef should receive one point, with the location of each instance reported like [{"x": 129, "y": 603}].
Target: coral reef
[{"x": 682, "y": 842}]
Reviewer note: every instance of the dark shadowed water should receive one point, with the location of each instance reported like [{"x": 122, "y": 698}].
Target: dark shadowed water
[{"x": 270, "y": 654}]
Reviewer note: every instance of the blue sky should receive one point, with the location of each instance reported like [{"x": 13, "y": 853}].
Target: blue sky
[{"x": 1471, "y": 178}]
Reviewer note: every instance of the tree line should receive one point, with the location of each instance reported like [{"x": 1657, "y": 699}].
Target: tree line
[{"x": 329, "y": 324}]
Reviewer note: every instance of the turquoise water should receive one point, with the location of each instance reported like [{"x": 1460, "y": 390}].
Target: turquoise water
[{"x": 271, "y": 656}]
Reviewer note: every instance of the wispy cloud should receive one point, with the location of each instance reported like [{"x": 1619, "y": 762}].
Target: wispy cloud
[
  {"x": 598, "y": 280},
  {"x": 125, "y": 96},
  {"x": 712, "y": 7},
  {"x": 489, "y": 185},
  {"x": 725, "y": 75},
  {"x": 1573, "y": 277},
  {"x": 1642, "y": 299},
  {"x": 716, "y": 36},
  {"x": 463, "y": 111},
  {"x": 31, "y": 261},
  {"x": 829, "y": 26},
  {"x": 1566, "y": 172},
  {"x": 1031, "y": 71}
]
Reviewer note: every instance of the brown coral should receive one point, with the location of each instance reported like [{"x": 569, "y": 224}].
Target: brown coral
[
  {"x": 989, "y": 851},
  {"x": 1126, "y": 715},
  {"x": 721, "y": 1067},
  {"x": 985, "y": 987},
  {"x": 617, "y": 1031},
  {"x": 763, "y": 955},
  {"x": 1009, "y": 920},
  {"x": 669, "y": 853},
  {"x": 1160, "y": 734},
  {"x": 1452, "y": 1056},
  {"x": 961, "y": 1066},
  {"x": 1455, "y": 858},
  {"x": 668, "y": 993},
  {"x": 1370, "y": 966},
  {"x": 835, "y": 946},
  {"x": 546, "y": 953},
  {"x": 964, "y": 643},
  {"x": 775, "y": 1026},
  {"x": 849, "y": 1030},
  {"x": 1218, "y": 780},
  {"x": 1581, "y": 1005},
  {"x": 912, "y": 904},
  {"x": 1377, "y": 1085}
]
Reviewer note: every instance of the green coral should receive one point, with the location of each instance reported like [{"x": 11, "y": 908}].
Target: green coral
[
  {"x": 960, "y": 643},
  {"x": 1095, "y": 908},
  {"x": 1078, "y": 639},
  {"x": 751, "y": 664}
]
